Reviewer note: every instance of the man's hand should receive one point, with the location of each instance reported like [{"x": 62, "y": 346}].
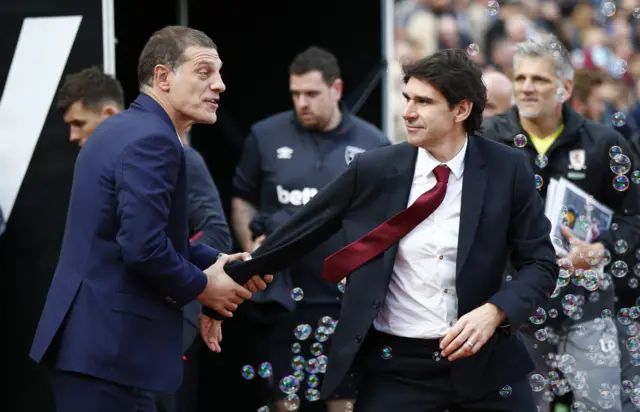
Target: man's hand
[
  {"x": 256, "y": 282},
  {"x": 211, "y": 332},
  {"x": 222, "y": 293},
  {"x": 582, "y": 254},
  {"x": 471, "y": 332}
]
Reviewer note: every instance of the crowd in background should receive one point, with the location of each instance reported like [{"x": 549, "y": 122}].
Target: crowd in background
[{"x": 603, "y": 38}]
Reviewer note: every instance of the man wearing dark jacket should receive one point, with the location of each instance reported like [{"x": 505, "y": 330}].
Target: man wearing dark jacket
[
  {"x": 87, "y": 98},
  {"x": 562, "y": 144}
]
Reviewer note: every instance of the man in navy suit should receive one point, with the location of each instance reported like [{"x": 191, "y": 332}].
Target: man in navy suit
[
  {"x": 111, "y": 327},
  {"x": 429, "y": 224}
]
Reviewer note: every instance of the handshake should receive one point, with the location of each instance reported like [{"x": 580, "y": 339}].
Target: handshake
[{"x": 224, "y": 295}]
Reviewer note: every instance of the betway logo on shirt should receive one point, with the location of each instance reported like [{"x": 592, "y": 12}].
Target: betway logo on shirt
[{"x": 295, "y": 197}]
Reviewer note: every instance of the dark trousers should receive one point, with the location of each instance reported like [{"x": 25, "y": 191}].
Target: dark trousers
[
  {"x": 74, "y": 392},
  {"x": 402, "y": 374},
  {"x": 186, "y": 398}
]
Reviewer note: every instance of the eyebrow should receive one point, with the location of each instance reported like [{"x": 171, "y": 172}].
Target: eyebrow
[{"x": 417, "y": 97}]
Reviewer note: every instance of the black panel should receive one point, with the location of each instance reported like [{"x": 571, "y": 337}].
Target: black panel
[{"x": 29, "y": 247}]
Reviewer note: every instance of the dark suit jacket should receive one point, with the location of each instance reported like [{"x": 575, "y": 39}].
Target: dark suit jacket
[
  {"x": 502, "y": 216},
  {"x": 126, "y": 267}
]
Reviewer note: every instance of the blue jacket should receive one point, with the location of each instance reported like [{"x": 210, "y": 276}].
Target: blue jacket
[{"x": 126, "y": 268}]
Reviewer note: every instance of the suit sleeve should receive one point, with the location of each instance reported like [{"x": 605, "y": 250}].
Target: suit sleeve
[
  {"x": 146, "y": 175},
  {"x": 206, "y": 215},
  {"x": 533, "y": 255},
  {"x": 314, "y": 223}
]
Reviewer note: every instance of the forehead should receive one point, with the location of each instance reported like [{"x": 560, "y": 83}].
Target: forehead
[
  {"x": 77, "y": 111},
  {"x": 312, "y": 80},
  {"x": 420, "y": 88},
  {"x": 202, "y": 56},
  {"x": 535, "y": 65}
]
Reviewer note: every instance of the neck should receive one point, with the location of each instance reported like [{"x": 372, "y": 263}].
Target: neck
[
  {"x": 334, "y": 121},
  {"x": 543, "y": 126},
  {"x": 179, "y": 122},
  {"x": 448, "y": 147}
]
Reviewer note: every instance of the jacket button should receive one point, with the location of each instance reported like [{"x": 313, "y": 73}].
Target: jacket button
[
  {"x": 169, "y": 300},
  {"x": 376, "y": 304},
  {"x": 358, "y": 338}
]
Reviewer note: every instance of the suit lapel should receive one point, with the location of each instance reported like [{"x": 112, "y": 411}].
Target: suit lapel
[
  {"x": 398, "y": 186},
  {"x": 473, "y": 189}
]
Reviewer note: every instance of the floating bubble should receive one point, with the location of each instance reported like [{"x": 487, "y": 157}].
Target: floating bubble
[
  {"x": 619, "y": 119},
  {"x": 473, "y": 49},
  {"x": 265, "y": 370},
  {"x": 493, "y": 8},
  {"x": 542, "y": 160},
  {"x": 505, "y": 391},
  {"x": 608, "y": 9},
  {"x": 620, "y": 164},
  {"x": 614, "y": 151},
  {"x": 302, "y": 332},
  {"x": 312, "y": 395},
  {"x": 289, "y": 384},
  {"x": 248, "y": 372},
  {"x": 292, "y": 402},
  {"x": 297, "y": 294},
  {"x": 635, "y": 176},
  {"x": 539, "y": 317},
  {"x": 539, "y": 181},
  {"x": 520, "y": 140},
  {"x": 621, "y": 183},
  {"x": 620, "y": 67},
  {"x": 537, "y": 382},
  {"x": 555, "y": 49}
]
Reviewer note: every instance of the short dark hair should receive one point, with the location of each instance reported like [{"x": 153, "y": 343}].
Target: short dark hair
[
  {"x": 584, "y": 81},
  {"x": 314, "y": 58},
  {"x": 457, "y": 77},
  {"x": 167, "y": 46},
  {"x": 92, "y": 87}
]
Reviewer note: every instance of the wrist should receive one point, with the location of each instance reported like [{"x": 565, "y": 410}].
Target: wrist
[{"x": 499, "y": 314}]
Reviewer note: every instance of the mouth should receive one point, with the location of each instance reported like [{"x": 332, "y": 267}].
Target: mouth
[{"x": 213, "y": 102}]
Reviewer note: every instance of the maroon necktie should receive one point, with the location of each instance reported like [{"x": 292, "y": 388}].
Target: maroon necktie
[{"x": 340, "y": 264}]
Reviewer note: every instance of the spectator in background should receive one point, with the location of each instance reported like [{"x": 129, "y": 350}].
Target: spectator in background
[
  {"x": 86, "y": 99},
  {"x": 562, "y": 144},
  {"x": 286, "y": 160},
  {"x": 588, "y": 99},
  {"x": 499, "y": 93}
]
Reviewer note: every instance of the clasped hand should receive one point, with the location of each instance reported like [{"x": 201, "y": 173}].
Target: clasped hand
[{"x": 222, "y": 293}]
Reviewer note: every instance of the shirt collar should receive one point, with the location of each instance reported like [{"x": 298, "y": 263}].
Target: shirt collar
[{"x": 426, "y": 162}]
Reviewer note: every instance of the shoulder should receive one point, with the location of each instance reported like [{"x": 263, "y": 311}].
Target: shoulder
[
  {"x": 599, "y": 132},
  {"x": 277, "y": 121},
  {"x": 368, "y": 131},
  {"x": 383, "y": 155},
  {"x": 501, "y": 158},
  {"x": 501, "y": 127}
]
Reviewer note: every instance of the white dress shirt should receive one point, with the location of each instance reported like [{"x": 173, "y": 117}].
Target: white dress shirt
[{"x": 422, "y": 300}]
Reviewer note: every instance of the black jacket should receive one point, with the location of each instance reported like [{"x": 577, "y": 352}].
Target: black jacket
[{"x": 596, "y": 178}]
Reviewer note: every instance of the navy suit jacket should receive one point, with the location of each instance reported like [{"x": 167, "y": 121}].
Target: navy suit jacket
[
  {"x": 126, "y": 268},
  {"x": 501, "y": 217}
]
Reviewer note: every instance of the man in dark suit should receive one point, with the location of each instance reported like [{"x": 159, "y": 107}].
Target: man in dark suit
[
  {"x": 430, "y": 223},
  {"x": 111, "y": 327}
]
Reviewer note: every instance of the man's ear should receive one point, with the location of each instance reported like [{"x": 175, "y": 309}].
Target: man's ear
[{"x": 109, "y": 110}]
